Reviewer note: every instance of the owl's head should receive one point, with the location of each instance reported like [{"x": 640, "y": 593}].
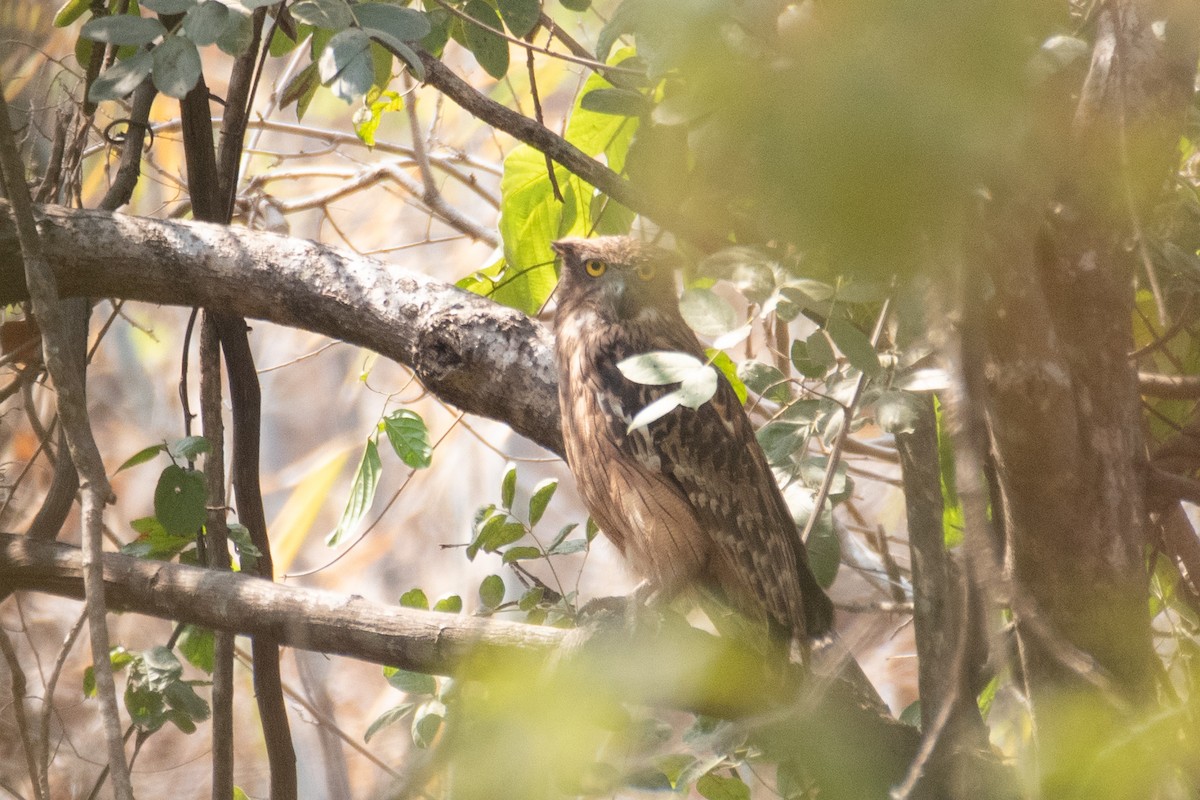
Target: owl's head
[{"x": 617, "y": 276}]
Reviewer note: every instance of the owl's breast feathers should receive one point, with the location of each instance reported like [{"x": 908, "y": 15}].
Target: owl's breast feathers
[{"x": 690, "y": 497}]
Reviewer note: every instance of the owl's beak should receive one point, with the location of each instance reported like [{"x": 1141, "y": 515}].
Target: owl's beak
[{"x": 620, "y": 296}]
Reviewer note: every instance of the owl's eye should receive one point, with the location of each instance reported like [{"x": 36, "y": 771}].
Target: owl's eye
[
  {"x": 645, "y": 271},
  {"x": 594, "y": 267}
]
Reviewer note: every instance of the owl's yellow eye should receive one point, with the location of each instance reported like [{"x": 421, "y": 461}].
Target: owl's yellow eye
[
  {"x": 594, "y": 267},
  {"x": 645, "y": 271}
]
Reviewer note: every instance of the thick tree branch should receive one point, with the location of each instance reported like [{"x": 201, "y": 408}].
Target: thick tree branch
[
  {"x": 704, "y": 674},
  {"x": 484, "y": 358}
]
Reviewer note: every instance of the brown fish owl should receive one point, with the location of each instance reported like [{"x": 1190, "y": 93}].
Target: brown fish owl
[{"x": 689, "y": 500}]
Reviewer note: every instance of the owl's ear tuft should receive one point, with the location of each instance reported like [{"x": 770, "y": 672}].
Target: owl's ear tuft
[{"x": 562, "y": 246}]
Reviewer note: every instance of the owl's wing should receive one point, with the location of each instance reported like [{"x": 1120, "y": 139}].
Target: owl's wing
[{"x": 712, "y": 456}]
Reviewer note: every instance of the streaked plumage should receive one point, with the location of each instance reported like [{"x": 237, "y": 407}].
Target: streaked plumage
[{"x": 689, "y": 500}]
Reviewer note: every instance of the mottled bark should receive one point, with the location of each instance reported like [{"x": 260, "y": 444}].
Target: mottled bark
[
  {"x": 482, "y": 357},
  {"x": 1051, "y": 318}
]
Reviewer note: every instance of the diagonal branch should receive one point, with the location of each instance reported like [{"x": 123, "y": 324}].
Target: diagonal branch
[{"x": 482, "y": 357}]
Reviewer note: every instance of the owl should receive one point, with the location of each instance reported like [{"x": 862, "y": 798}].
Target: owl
[{"x": 689, "y": 499}]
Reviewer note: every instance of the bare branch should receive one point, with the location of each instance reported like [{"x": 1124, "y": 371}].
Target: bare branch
[
  {"x": 484, "y": 358},
  {"x": 67, "y": 372}
]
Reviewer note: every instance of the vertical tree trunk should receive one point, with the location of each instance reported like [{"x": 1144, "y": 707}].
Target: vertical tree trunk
[{"x": 1052, "y": 318}]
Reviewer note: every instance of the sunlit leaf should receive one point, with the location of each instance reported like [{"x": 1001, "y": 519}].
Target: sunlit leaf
[
  {"x": 362, "y": 494},
  {"x": 142, "y": 456},
  {"x": 540, "y": 499},
  {"x": 410, "y": 682},
  {"x": 706, "y": 312},
  {"x": 333, "y": 15},
  {"x": 719, "y": 787},
  {"x": 659, "y": 368},
  {"x": 409, "y": 438},
  {"x": 345, "y": 65},
  {"x": 415, "y": 598},
  {"x": 190, "y": 447},
  {"x": 196, "y": 645}
]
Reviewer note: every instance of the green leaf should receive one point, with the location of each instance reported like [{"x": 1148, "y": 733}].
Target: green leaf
[
  {"x": 248, "y": 553},
  {"x": 332, "y": 15},
  {"x": 660, "y": 367},
  {"x": 121, "y": 78},
  {"x": 345, "y": 65},
  {"x": 154, "y": 541},
  {"x": 362, "y": 494},
  {"x": 300, "y": 89},
  {"x": 142, "y": 456},
  {"x": 238, "y": 33},
  {"x": 724, "y": 364},
  {"x": 70, "y": 11},
  {"x": 819, "y": 349},
  {"x": 491, "y": 592},
  {"x": 540, "y": 499},
  {"x": 854, "y": 344},
  {"x": 521, "y": 16},
  {"x": 415, "y": 598},
  {"x": 450, "y": 604},
  {"x": 501, "y": 535},
  {"x": 562, "y": 535},
  {"x": 389, "y": 717},
  {"x": 911, "y": 715},
  {"x": 521, "y": 554},
  {"x": 427, "y": 721},
  {"x": 196, "y": 645},
  {"x": 123, "y": 29},
  {"x": 179, "y": 500},
  {"x": 616, "y": 101},
  {"x": 253, "y": 4},
  {"x": 190, "y": 447},
  {"x": 764, "y": 379},
  {"x": 806, "y": 365},
  {"x": 576, "y": 5},
  {"x": 595, "y": 133},
  {"x": 404, "y": 24},
  {"x": 205, "y": 24},
  {"x": 490, "y": 50},
  {"x": 118, "y": 658},
  {"x": 530, "y": 218},
  {"x": 531, "y": 598},
  {"x": 824, "y": 551},
  {"x": 568, "y": 547},
  {"x": 410, "y": 682},
  {"x": 897, "y": 411},
  {"x": 706, "y": 312},
  {"x": 168, "y": 6},
  {"x": 408, "y": 436},
  {"x": 508, "y": 487},
  {"x": 176, "y": 66},
  {"x": 717, "y": 787}
]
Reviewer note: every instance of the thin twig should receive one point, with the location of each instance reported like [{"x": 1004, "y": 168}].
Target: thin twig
[
  {"x": 30, "y": 747},
  {"x": 51, "y": 683},
  {"x": 73, "y": 413}
]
